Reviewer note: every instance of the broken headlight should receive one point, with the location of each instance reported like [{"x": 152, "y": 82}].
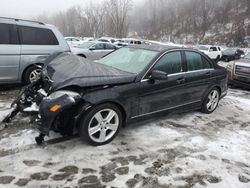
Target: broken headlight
[{"x": 61, "y": 93}]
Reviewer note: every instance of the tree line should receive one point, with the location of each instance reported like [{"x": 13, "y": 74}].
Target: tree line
[{"x": 225, "y": 22}]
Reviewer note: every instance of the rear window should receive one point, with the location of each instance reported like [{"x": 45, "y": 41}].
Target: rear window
[
  {"x": 8, "y": 34},
  {"x": 37, "y": 36},
  {"x": 214, "y": 49}
]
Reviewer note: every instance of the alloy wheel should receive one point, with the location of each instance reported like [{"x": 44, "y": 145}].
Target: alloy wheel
[
  {"x": 213, "y": 100},
  {"x": 35, "y": 75},
  {"x": 103, "y": 125}
]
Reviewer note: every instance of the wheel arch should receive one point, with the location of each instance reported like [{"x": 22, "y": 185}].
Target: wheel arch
[
  {"x": 120, "y": 106},
  {"x": 26, "y": 68},
  {"x": 209, "y": 89}
]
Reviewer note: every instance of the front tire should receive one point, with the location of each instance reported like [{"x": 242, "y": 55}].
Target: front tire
[
  {"x": 101, "y": 124},
  {"x": 32, "y": 74},
  {"x": 211, "y": 101}
]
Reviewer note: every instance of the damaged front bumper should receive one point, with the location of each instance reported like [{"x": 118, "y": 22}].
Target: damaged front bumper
[{"x": 55, "y": 108}]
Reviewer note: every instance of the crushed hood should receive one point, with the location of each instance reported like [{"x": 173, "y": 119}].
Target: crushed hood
[{"x": 70, "y": 70}]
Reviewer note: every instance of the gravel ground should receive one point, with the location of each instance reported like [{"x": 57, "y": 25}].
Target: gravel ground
[{"x": 176, "y": 150}]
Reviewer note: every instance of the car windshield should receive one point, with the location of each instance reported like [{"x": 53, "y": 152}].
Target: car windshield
[
  {"x": 86, "y": 45},
  {"x": 247, "y": 56},
  {"x": 131, "y": 60},
  {"x": 229, "y": 51},
  {"x": 202, "y": 47}
]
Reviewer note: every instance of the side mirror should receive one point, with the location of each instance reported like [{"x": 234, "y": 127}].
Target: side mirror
[
  {"x": 159, "y": 75},
  {"x": 92, "y": 48}
]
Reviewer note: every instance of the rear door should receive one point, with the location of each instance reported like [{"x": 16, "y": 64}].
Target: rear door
[
  {"x": 9, "y": 52},
  {"x": 198, "y": 75}
]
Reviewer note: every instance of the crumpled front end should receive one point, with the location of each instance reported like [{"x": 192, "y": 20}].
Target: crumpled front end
[{"x": 57, "y": 112}]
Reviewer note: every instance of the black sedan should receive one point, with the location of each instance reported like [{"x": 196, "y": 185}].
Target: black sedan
[
  {"x": 231, "y": 54},
  {"x": 98, "y": 98}
]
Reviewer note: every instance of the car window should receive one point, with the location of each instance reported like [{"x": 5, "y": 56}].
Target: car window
[
  {"x": 99, "y": 46},
  {"x": 110, "y": 47},
  {"x": 219, "y": 48},
  {"x": 196, "y": 62},
  {"x": 75, "y": 40},
  {"x": 213, "y": 49},
  {"x": 8, "y": 34},
  {"x": 170, "y": 63},
  {"x": 37, "y": 36},
  {"x": 103, "y": 40}
]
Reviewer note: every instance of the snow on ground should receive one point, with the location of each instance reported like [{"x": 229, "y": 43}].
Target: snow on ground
[{"x": 177, "y": 150}]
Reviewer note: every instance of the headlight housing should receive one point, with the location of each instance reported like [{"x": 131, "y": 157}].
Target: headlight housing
[{"x": 60, "y": 93}]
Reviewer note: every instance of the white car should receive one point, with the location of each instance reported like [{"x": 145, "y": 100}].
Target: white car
[
  {"x": 214, "y": 52},
  {"x": 73, "y": 41},
  {"x": 107, "y": 39},
  {"x": 93, "y": 50}
]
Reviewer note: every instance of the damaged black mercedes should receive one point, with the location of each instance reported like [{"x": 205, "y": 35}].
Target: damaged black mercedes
[{"x": 96, "y": 99}]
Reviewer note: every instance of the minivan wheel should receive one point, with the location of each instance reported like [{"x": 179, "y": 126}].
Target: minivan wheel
[
  {"x": 211, "y": 101},
  {"x": 32, "y": 74},
  {"x": 101, "y": 124}
]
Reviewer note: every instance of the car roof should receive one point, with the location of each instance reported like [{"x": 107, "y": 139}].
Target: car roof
[
  {"x": 156, "y": 47},
  {"x": 7, "y": 19}
]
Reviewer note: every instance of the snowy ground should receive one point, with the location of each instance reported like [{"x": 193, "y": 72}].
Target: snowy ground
[{"x": 177, "y": 150}]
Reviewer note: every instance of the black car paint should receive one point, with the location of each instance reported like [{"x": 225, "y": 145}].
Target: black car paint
[
  {"x": 236, "y": 54},
  {"x": 142, "y": 96}
]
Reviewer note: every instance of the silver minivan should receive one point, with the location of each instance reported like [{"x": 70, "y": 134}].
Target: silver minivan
[{"x": 24, "y": 46}]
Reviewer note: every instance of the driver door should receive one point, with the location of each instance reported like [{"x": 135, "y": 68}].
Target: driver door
[{"x": 160, "y": 95}]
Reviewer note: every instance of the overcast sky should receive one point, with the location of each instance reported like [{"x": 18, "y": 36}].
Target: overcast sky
[{"x": 32, "y": 8}]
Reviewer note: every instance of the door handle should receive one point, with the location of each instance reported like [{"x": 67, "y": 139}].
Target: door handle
[
  {"x": 180, "y": 80},
  {"x": 208, "y": 73}
]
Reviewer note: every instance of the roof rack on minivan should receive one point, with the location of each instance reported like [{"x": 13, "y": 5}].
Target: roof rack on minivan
[{"x": 17, "y": 19}]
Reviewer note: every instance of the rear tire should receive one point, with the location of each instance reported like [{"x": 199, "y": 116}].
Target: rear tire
[
  {"x": 101, "y": 124},
  {"x": 211, "y": 101},
  {"x": 31, "y": 74}
]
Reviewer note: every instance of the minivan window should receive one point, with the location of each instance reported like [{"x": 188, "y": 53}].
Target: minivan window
[
  {"x": 8, "y": 34},
  {"x": 170, "y": 63},
  {"x": 196, "y": 62},
  {"x": 37, "y": 36}
]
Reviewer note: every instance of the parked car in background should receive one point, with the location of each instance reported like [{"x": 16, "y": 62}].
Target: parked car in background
[
  {"x": 73, "y": 41},
  {"x": 131, "y": 41},
  {"x": 24, "y": 46},
  {"x": 106, "y": 39},
  {"x": 86, "y": 39},
  {"x": 98, "y": 98},
  {"x": 232, "y": 54},
  {"x": 214, "y": 52},
  {"x": 120, "y": 43},
  {"x": 239, "y": 72},
  {"x": 93, "y": 50}
]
